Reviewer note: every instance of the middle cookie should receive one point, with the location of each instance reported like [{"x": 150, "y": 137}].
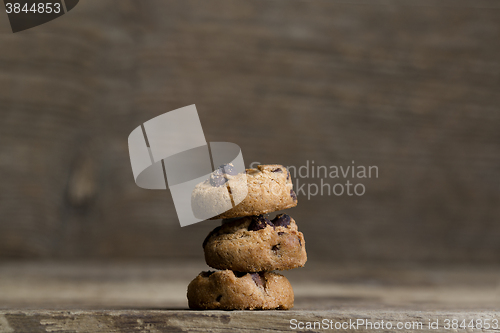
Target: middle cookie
[{"x": 255, "y": 244}]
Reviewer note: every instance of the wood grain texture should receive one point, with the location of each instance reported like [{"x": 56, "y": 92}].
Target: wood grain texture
[
  {"x": 151, "y": 297},
  {"x": 220, "y": 321},
  {"x": 411, "y": 87}
]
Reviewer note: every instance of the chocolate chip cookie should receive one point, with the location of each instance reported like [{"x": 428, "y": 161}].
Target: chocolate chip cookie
[
  {"x": 228, "y": 290},
  {"x": 259, "y": 191},
  {"x": 255, "y": 244}
]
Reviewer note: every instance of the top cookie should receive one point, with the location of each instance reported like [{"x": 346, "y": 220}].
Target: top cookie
[{"x": 268, "y": 189}]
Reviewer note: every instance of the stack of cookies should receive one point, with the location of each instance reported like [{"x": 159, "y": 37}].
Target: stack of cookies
[{"x": 248, "y": 245}]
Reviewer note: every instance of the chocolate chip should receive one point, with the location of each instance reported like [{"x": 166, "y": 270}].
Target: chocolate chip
[
  {"x": 259, "y": 222},
  {"x": 217, "y": 178},
  {"x": 281, "y": 220},
  {"x": 207, "y": 274},
  {"x": 277, "y": 170},
  {"x": 292, "y": 194},
  {"x": 257, "y": 279},
  {"x": 275, "y": 248},
  {"x": 228, "y": 169},
  {"x": 281, "y": 233},
  {"x": 218, "y": 298},
  {"x": 213, "y": 232}
]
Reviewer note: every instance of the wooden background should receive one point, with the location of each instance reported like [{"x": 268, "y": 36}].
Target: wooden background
[{"x": 409, "y": 86}]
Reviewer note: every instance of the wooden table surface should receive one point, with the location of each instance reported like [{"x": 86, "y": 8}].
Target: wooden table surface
[{"x": 150, "y": 297}]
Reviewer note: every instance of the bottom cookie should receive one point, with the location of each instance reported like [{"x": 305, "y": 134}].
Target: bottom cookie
[{"x": 228, "y": 290}]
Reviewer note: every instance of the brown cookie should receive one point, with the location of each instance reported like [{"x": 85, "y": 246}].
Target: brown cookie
[
  {"x": 260, "y": 191},
  {"x": 255, "y": 244},
  {"x": 228, "y": 290}
]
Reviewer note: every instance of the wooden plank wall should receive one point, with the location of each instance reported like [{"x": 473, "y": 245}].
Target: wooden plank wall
[{"x": 411, "y": 87}]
